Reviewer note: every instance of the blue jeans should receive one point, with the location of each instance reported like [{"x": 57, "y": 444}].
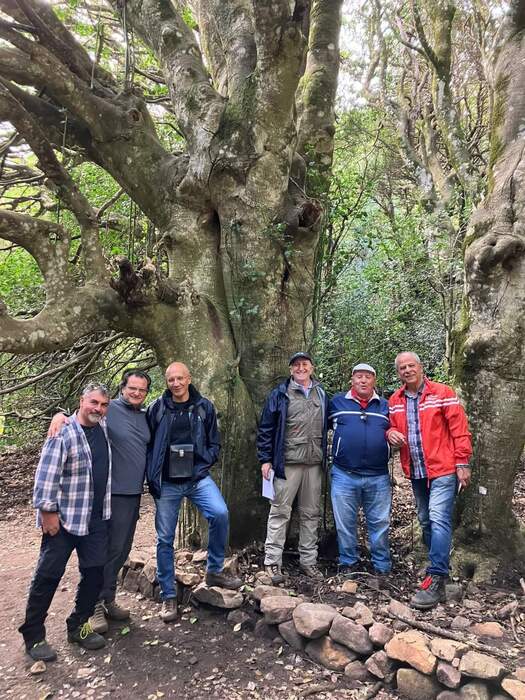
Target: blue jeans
[
  {"x": 435, "y": 507},
  {"x": 374, "y": 493},
  {"x": 208, "y": 499}
]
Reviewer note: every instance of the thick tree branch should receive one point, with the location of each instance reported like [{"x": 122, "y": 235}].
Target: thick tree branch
[
  {"x": 198, "y": 107},
  {"x": 47, "y": 242},
  {"x": 280, "y": 55},
  {"x": 227, "y": 36},
  {"x": 319, "y": 84}
]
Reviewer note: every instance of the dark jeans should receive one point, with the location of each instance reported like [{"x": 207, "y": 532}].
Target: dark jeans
[
  {"x": 54, "y": 554},
  {"x": 124, "y": 516}
]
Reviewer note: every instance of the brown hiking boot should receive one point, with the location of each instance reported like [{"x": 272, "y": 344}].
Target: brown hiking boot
[
  {"x": 311, "y": 571},
  {"x": 222, "y": 580},
  {"x": 116, "y": 612},
  {"x": 274, "y": 572},
  {"x": 169, "y": 610}
]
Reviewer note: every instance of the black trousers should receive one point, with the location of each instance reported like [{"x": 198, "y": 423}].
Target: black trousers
[
  {"x": 124, "y": 516},
  {"x": 54, "y": 554}
]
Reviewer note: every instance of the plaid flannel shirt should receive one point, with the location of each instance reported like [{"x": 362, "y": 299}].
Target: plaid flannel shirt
[{"x": 64, "y": 480}]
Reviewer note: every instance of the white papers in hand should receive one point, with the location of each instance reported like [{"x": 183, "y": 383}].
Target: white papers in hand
[{"x": 268, "y": 490}]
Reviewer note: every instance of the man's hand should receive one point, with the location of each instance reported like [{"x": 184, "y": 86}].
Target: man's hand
[
  {"x": 265, "y": 469},
  {"x": 50, "y": 523},
  {"x": 395, "y": 438},
  {"x": 58, "y": 420},
  {"x": 464, "y": 474}
]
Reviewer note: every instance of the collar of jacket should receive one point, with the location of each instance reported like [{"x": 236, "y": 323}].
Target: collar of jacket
[
  {"x": 374, "y": 397},
  {"x": 283, "y": 387}
]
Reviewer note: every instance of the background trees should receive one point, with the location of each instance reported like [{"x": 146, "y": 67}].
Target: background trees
[{"x": 168, "y": 191}]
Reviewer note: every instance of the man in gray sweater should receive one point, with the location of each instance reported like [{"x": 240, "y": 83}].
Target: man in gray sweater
[{"x": 129, "y": 436}]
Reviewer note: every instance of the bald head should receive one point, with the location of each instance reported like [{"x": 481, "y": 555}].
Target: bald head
[{"x": 178, "y": 380}]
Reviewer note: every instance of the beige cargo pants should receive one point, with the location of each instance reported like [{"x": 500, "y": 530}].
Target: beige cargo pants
[{"x": 305, "y": 483}]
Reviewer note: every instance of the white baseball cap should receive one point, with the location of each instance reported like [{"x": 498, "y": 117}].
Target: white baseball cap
[{"x": 363, "y": 367}]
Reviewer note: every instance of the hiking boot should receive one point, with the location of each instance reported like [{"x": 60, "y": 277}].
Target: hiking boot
[
  {"x": 42, "y": 651},
  {"x": 98, "y": 620},
  {"x": 169, "y": 610},
  {"x": 85, "y": 637},
  {"x": 222, "y": 580},
  {"x": 311, "y": 571},
  {"x": 432, "y": 592},
  {"x": 274, "y": 572},
  {"x": 116, "y": 612}
]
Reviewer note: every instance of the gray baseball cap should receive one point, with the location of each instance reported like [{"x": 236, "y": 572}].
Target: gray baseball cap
[{"x": 363, "y": 367}]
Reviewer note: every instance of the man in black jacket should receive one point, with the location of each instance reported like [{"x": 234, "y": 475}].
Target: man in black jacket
[
  {"x": 291, "y": 441},
  {"x": 185, "y": 445}
]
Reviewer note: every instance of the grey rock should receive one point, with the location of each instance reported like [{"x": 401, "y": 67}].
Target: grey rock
[
  {"x": 481, "y": 666},
  {"x": 379, "y": 665},
  {"x": 399, "y": 610},
  {"x": 313, "y": 620},
  {"x": 291, "y": 635},
  {"x": 416, "y": 686},
  {"x": 360, "y": 613},
  {"x": 380, "y": 634},
  {"x": 278, "y": 608},
  {"x": 264, "y": 591},
  {"x": 357, "y": 671},
  {"x": 218, "y": 597},
  {"x": 448, "y": 675},
  {"x": 353, "y": 636},
  {"x": 460, "y": 623},
  {"x": 475, "y": 691},
  {"x": 131, "y": 580},
  {"x": 239, "y": 617},
  {"x": 329, "y": 654}
]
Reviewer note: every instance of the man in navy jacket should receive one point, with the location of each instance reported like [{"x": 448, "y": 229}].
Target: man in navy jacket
[
  {"x": 291, "y": 441},
  {"x": 185, "y": 445},
  {"x": 360, "y": 469}
]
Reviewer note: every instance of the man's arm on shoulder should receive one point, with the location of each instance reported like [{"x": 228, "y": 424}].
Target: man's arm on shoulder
[{"x": 48, "y": 474}]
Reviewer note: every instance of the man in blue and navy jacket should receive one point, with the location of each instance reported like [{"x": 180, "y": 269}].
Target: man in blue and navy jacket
[
  {"x": 291, "y": 441},
  {"x": 360, "y": 469}
]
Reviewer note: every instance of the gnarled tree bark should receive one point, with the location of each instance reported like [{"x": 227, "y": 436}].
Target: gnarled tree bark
[
  {"x": 236, "y": 225},
  {"x": 492, "y": 359}
]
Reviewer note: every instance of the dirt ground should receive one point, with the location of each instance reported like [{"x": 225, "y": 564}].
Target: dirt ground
[{"x": 201, "y": 656}]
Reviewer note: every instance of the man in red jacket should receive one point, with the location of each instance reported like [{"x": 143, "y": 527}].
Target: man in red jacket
[{"x": 430, "y": 427}]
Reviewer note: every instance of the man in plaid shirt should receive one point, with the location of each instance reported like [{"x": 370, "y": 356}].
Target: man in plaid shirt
[{"x": 72, "y": 495}]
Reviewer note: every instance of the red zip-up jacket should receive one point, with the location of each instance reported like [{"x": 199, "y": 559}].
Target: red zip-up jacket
[{"x": 443, "y": 423}]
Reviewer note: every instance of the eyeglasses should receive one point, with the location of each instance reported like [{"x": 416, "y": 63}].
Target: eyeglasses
[{"x": 136, "y": 390}]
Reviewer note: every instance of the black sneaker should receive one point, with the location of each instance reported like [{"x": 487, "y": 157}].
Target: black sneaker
[
  {"x": 432, "y": 592},
  {"x": 222, "y": 580},
  {"x": 42, "y": 651},
  {"x": 85, "y": 637}
]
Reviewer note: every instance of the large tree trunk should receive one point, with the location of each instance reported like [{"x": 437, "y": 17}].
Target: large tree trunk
[
  {"x": 237, "y": 227},
  {"x": 492, "y": 365}
]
